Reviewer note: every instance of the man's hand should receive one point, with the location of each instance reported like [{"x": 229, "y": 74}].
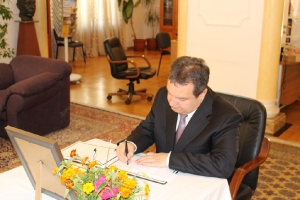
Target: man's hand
[
  {"x": 121, "y": 151},
  {"x": 153, "y": 160}
]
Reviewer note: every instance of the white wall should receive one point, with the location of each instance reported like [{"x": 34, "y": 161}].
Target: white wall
[{"x": 227, "y": 35}]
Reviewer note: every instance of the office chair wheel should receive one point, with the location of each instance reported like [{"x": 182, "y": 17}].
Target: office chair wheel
[
  {"x": 108, "y": 97},
  {"x": 127, "y": 101},
  {"x": 149, "y": 98}
]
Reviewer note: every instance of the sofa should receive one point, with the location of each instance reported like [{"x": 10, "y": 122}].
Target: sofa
[{"x": 34, "y": 94}]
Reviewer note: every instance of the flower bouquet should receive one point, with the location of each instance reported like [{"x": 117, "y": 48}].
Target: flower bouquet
[{"x": 92, "y": 182}]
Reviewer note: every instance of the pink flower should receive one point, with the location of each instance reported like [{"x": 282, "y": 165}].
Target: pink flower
[
  {"x": 97, "y": 183},
  {"x": 108, "y": 194}
]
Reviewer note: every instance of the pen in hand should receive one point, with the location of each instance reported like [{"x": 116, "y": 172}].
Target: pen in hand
[{"x": 126, "y": 150}]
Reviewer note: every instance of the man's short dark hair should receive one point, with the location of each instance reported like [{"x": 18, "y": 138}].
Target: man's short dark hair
[{"x": 188, "y": 69}]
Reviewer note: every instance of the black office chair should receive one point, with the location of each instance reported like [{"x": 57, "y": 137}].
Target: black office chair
[
  {"x": 71, "y": 44},
  {"x": 253, "y": 146},
  {"x": 163, "y": 43},
  {"x": 120, "y": 70}
]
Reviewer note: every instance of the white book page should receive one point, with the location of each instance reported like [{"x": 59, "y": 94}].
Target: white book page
[
  {"x": 155, "y": 174},
  {"x": 105, "y": 152}
]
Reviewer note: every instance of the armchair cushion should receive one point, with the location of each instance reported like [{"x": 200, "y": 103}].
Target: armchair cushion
[
  {"x": 35, "y": 84},
  {"x": 4, "y": 94},
  {"x": 6, "y": 76}
]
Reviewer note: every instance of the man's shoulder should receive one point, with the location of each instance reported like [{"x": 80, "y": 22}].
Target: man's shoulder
[{"x": 162, "y": 92}]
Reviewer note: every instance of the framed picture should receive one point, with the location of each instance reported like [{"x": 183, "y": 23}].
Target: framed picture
[{"x": 39, "y": 156}]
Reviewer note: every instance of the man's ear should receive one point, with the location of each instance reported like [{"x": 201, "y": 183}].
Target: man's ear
[{"x": 202, "y": 95}]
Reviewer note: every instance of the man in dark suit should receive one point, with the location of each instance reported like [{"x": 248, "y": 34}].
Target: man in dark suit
[{"x": 208, "y": 145}]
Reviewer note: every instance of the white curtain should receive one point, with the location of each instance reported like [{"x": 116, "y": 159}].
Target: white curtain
[{"x": 96, "y": 21}]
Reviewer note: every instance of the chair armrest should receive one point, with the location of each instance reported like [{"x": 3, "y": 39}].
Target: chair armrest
[
  {"x": 143, "y": 57},
  {"x": 4, "y": 95},
  {"x": 241, "y": 172},
  {"x": 126, "y": 61},
  {"x": 35, "y": 84}
]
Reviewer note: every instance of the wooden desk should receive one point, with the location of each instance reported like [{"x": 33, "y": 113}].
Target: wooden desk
[{"x": 290, "y": 82}]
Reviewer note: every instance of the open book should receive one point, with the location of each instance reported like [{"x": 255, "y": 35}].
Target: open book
[
  {"x": 104, "y": 152},
  {"x": 106, "y": 155}
]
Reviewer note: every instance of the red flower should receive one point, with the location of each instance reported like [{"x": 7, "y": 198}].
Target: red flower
[{"x": 73, "y": 153}]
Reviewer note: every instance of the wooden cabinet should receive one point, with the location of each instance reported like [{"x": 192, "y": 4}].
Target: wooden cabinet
[
  {"x": 169, "y": 17},
  {"x": 290, "y": 81}
]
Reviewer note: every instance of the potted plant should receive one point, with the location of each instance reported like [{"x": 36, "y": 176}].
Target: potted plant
[
  {"x": 152, "y": 20},
  {"x": 6, "y": 15},
  {"x": 127, "y": 6}
]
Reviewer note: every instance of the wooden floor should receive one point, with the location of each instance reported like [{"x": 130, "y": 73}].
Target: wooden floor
[{"x": 96, "y": 82}]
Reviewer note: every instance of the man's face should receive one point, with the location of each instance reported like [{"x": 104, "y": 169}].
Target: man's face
[{"x": 181, "y": 98}]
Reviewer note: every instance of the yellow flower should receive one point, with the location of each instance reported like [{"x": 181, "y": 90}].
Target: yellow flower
[
  {"x": 69, "y": 173},
  {"x": 147, "y": 188},
  {"x": 63, "y": 179},
  {"x": 55, "y": 170},
  {"x": 125, "y": 192},
  {"x": 84, "y": 160},
  {"x": 88, "y": 188},
  {"x": 73, "y": 153},
  {"x": 122, "y": 174},
  {"x": 112, "y": 168},
  {"x": 129, "y": 183},
  {"x": 92, "y": 163}
]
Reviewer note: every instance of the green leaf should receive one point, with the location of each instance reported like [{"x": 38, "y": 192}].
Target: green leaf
[
  {"x": 127, "y": 10},
  {"x": 137, "y": 3},
  {"x": 66, "y": 193},
  {"x": 102, "y": 186}
]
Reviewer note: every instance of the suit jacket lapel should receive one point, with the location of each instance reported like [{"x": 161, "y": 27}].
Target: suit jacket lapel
[
  {"x": 170, "y": 128},
  {"x": 197, "y": 123}
]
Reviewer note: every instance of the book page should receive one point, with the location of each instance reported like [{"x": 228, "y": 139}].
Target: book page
[
  {"x": 155, "y": 174},
  {"x": 105, "y": 152}
]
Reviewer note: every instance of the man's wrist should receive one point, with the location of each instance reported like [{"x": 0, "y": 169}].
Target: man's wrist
[{"x": 135, "y": 148}]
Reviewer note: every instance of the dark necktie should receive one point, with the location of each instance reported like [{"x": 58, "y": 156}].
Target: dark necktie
[{"x": 181, "y": 126}]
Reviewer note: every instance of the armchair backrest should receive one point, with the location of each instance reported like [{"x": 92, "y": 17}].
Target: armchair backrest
[
  {"x": 6, "y": 76},
  {"x": 26, "y": 66},
  {"x": 114, "y": 50},
  {"x": 252, "y": 133},
  {"x": 59, "y": 39},
  {"x": 163, "y": 40}
]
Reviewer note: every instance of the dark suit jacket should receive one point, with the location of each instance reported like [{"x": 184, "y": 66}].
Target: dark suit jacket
[{"x": 209, "y": 143}]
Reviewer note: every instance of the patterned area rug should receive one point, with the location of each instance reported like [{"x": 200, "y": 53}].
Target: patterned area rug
[{"x": 279, "y": 175}]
